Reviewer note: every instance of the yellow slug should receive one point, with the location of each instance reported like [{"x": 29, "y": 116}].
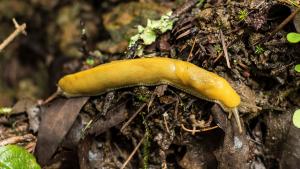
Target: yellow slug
[{"x": 153, "y": 71}]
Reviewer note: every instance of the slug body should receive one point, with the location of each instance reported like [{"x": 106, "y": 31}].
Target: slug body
[{"x": 153, "y": 71}]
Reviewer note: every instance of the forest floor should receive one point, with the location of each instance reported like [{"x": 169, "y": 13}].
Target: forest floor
[{"x": 152, "y": 126}]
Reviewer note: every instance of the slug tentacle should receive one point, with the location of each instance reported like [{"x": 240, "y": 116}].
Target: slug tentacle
[
  {"x": 237, "y": 119},
  {"x": 153, "y": 71}
]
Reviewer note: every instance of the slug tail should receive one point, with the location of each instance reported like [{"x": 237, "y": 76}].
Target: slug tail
[
  {"x": 237, "y": 119},
  {"x": 53, "y": 96}
]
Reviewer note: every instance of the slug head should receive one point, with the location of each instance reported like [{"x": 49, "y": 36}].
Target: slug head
[
  {"x": 212, "y": 87},
  {"x": 209, "y": 85}
]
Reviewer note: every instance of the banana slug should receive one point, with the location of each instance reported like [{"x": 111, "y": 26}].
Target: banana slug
[{"x": 153, "y": 71}]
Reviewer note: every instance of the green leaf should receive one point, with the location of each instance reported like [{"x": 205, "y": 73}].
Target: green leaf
[
  {"x": 293, "y": 37},
  {"x": 297, "y": 68},
  {"x": 16, "y": 157},
  {"x": 296, "y": 118}
]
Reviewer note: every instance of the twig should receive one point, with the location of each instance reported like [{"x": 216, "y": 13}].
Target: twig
[
  {"x": 176, "y": 107},
  {"x": 222, "y": 52},
  {"x": 193, "y": 131},
  {"x": 30, "y": 146},
  {"x": 183, "y": 8},
  {"x": 283, "y": 23},
  {"x": 132, "y": 117},
  {"x": 165, "y": 122},
  {"x": 191, "y": 52},
  {"x": 133, "y": 152},
  {"x": 225, "y": 49},
  {"x": 11, "y": 37},
  {"x": 279, "y": 27},
  {"x": 16, "y": 139}
]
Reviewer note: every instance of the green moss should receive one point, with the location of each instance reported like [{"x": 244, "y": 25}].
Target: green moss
[
  {"x": 259, "y": 50},
  {"x": 142, "y": 98},
  {"x": 243, "y": 14}
]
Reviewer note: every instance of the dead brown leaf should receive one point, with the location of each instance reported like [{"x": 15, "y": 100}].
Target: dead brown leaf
[
  {"x": 114, "y": 116},
  {"x": 57, "y": 119}
]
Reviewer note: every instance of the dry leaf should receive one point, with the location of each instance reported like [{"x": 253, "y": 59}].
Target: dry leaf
[{"x": 56, "y": 122}]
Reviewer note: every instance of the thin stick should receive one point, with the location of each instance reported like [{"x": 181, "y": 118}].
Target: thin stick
[
  {"x": 11, "y": 37},
  {"x": 279, "y": 27},
  {"x": 225, "y": 49},
  {"x": 287, "y": 20},
  {"x": 16, "y": 139},
  {"x": 133, "y": 152},
  {"x": 193, "y": 131},
  {"x": 132, "y": 117},
  {"x": 185, "y": 7},
  {"x": 191, "y": 52},
  {"x": 165, "y": 122},
  {"x": 222, "y": 52}
]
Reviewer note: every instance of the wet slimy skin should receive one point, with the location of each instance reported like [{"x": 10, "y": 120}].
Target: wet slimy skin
[{"x": 153, "y": 71}]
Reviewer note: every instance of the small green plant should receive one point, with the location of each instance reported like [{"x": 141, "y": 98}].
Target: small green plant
[
  {"x": 90, "y": 61},
  {"x": 297, "y": 68},
  {"x": 217, "y": 48},
  {"x": 200, "y": 3},
  {"x": 293, "y": 37},
  {"x": 243, "y": 14},
  {"x": 296, "y": 118},
  {"x": 142, "y": 98},
  {"x": 259, "y": 50}
]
